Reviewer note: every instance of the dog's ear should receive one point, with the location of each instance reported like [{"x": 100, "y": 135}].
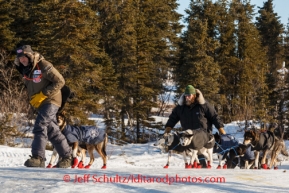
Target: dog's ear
[
  {"x": 241, "y": 149},
  {"x": 253, "y": 134},
  {"x": 165, "y": 135},
  {"x": 189, "y": 135},
  {"x": 189, "y": 132}
]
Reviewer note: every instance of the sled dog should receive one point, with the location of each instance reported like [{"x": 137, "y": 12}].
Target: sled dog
[
  {"x": 81, "y": 139},
  {"x": 223, "y": 146},
  {"x": 198, "y": 142},
  {"x": 260, "y": 142}
]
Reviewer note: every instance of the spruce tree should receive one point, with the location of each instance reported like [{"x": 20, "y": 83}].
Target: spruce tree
[
  {"x": 271, "y": 29},
  {"x": 139, "y": 37},
  {"x": 225, "y": 55},
  {"x": 197, "y": 65},
  {"x": 6, "y": 34},
  {"x": 250, "y": 83}
]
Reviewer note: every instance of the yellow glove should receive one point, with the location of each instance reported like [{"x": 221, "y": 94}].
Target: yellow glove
[
  {"x": 37, "y": 99},
  {"x": 222, "y": 131},
  {"x": 168, "y": 129}
]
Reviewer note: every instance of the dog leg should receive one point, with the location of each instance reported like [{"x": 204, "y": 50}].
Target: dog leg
[
  {"x": 257, "y": 153},
  {"x": 276, "y": 151},
  {"x": 220, "y": 161},
  {"x": 83, "y": 156},
  {"x": 194, "y": 160},
  {"x": 100, "y": 148},
  {"x": 246, "y": 165},
  {"x": 90, "y": 149},
  {"x": 210, "y": 158},
  {"x": 169, "y": 156},
  {"x": 53, "y": 158},
  {"x": 263, "y": 160},
  {"x": 207, "y": 156},
  {"x": 74, "y": 154}
]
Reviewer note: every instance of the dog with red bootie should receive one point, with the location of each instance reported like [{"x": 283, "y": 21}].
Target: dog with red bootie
[
  {"x": 260, "y": 142},
  {"x": 169, "y": 142},
  {"x": 198, "y": 141},
  {"x": 82, "y": 139},
  {"x": 224, "y": 143}
]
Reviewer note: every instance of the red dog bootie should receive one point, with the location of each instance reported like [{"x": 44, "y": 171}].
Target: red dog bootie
[
  {"x": 80, "y": 165},
  {"x": 195, "y": 165},
  {"x": 209, "y": 165},
  {"x": 225, "y": 166},
  {"x": 188, "y": 166},
  {"x": 276, "y": 168},
  {"x": 87, "y": 166},
  {"x": 199, "y": 166},
  {"x": 264, "y": 166},
  {"x": 219, "y": 167},
  {"x": 104, "y": 166},
  {"x": 75, "y": 162},
  {"x": 166, "y": 166},
  {"x": 49, "y": 166}
]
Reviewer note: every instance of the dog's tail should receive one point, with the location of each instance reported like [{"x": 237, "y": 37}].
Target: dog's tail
[{"x": 284, "y": 151}]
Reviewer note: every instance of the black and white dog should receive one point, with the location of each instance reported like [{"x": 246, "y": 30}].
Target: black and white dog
[
  {"x": 170, "y": 142},
  {"x": 225, "y": 143},
  {"x": 198, "y": 142}
]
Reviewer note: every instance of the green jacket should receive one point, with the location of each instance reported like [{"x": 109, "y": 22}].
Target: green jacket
[{"x": 42, "y": 77}]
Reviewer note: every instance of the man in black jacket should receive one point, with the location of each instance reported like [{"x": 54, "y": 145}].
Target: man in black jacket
[{"x": 194, "y": 112}]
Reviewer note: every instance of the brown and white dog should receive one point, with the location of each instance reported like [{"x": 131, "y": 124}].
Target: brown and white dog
[
  {"x": 279, "y": 147},
  {"x": 261, "y": 142},
  {"x": 198, "y": 142},
  {"x": 80, "y": 146}
]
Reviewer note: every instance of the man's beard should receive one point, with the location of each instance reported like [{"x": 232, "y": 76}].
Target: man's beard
[{"x": 189, "y": 102}]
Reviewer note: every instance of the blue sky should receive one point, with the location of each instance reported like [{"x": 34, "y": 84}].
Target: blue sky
[{"x": 280, "y": 7}]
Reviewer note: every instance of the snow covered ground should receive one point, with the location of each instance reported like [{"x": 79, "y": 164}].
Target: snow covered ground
[{"x": 137, "y": 168}]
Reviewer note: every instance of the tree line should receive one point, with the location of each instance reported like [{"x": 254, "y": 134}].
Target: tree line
[{"x": 117, "y": 57}]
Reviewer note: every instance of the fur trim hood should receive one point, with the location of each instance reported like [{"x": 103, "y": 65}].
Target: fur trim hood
[
  {"x": 200, "y": 98},
  {"x": 34, "y": 58}
]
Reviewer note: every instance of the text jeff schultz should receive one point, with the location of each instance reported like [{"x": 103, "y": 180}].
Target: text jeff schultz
[{"x": 141, "y": 179}]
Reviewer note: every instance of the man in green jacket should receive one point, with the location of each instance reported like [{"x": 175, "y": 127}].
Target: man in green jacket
[{"x": 43, "y": 83}]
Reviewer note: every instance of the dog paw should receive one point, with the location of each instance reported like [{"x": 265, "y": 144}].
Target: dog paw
[
  {"x": 75, "y": 162},
  {"x": 225, "y": 166},
  {"x": 103, "y": 167},
  {"x": 195, "y": 164},
  {"x": 87, "y": 166},
  {"x": 275, "y": 168},
  {"x": 188, "y": 166},
  {"x": 80, "y": 165},
  {"x": 219, "y": 167},
  {"x": 264, "y": 166},
  {"x": 49, "y": 166},
  {"x": 199, "y": 166},
  {"x": 166, "y": 166},
  {"x": 209, "y": 166}
]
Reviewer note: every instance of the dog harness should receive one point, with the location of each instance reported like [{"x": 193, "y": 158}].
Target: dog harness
[
  {"x": 266, "y": 141},
  {"x": 249, "y": 154},
  {"x": 227, "y": 142}
]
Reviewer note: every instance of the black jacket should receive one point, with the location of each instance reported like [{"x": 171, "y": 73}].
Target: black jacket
[{"x": 201, "y": 114}]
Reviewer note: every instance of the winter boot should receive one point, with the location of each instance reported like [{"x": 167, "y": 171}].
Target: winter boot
[
  {"x": 65, "y": 162},
  {"x": 35, "y": 161}
]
